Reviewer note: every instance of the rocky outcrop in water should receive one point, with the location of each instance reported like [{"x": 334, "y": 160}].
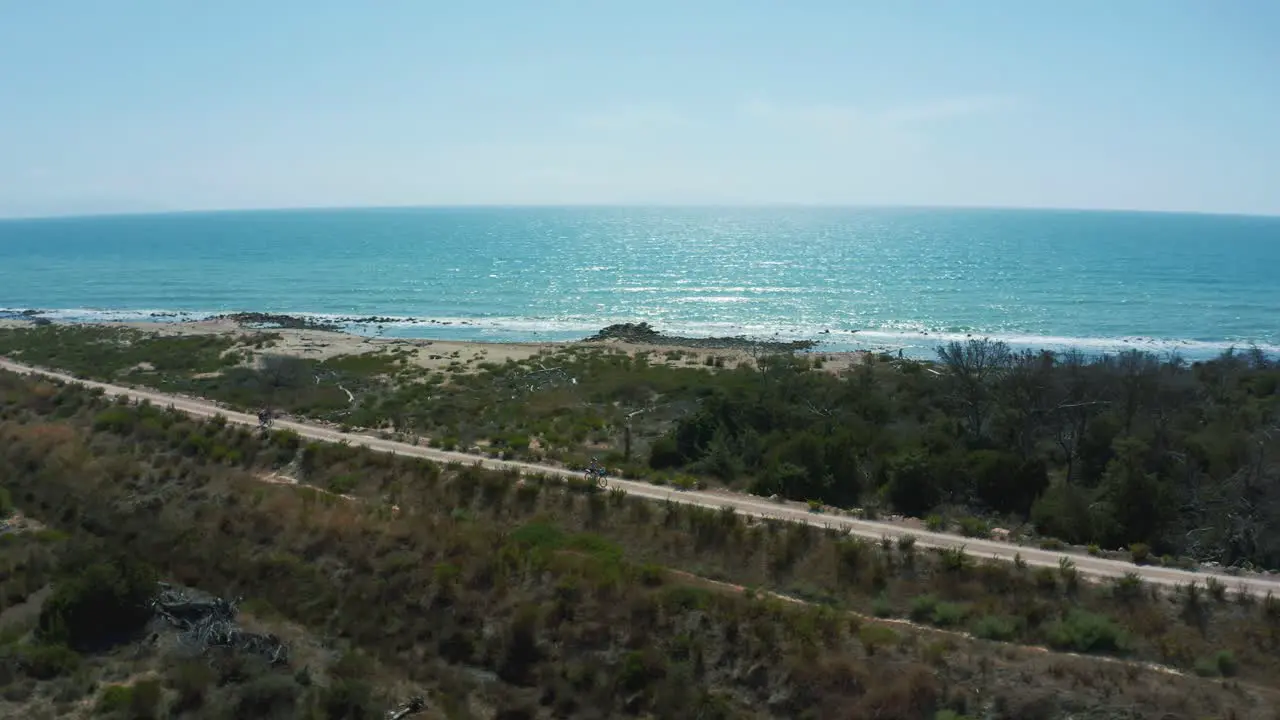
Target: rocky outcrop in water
[
  {"x": 644, "y": 333},
  {"x": 276, "y": 321},
  {"x": 35, "y": 317}
]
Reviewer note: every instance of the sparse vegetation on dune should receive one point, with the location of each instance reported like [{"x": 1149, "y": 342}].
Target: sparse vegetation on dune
[{"x": 538, "y": 597}]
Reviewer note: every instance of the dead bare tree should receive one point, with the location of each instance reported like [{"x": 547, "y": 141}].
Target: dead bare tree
[
  {"x": 972, "y": 369},
  {"x": 626, "y": 428},
  {"x": 1078, "y": 399},
  {"x": 1139, "y": 373},
  {"x": 1025, "y": 391}
]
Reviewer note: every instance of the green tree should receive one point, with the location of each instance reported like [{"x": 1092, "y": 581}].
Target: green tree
[
  {"x": 1064, "y": 511},
  {"x": 913, "y": 487},
  {"x": 103, "y": 603},
  {"x": 1136, "y": 500},
  {"x": 1004, "y": 482}
]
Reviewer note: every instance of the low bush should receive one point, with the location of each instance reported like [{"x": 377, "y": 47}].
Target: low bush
[
  {"x": 922, "y": 608},
  {"x": 974, "y": 527},
  {"x": 995, "y": 627},
  {"x": 1140, "y": 553},
  {"x": 1086, "y": 632},
  {"x": 46, "y": 661},
  {"x": 948, "y": 614}
]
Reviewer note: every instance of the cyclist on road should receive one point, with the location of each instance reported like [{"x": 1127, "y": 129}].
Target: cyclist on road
[{"x": 595, "y": 471}]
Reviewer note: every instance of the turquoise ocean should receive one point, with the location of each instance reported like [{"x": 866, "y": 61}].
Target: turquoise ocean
[{"x": 850, "y": 278}]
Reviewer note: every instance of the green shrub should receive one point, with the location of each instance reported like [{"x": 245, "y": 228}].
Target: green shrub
[
  {"x": 954, "y": 559},
  {"x": 104, "y": 603},
  {"x": 928, "y": 609},
  {"x": 1140, "y": 553},
  {"x": 1064, "y": 511},
  {"x": 935, "y": 523},
  {"x": 1070, "y": 575},
  {"x": 119, "y": 419},
  {"x": 1045, "y": 579},
  {"x": 974, "y": 527},
  {"x": 685, "y": 598},
  {"x": 1128, "y": 587},
  {"x": 922, "y": 608},
  {"x": 684, "y": 482},
  {"x": 343, "y": 484},
  {"x": 948, "y": 614},
  {"x": 874, "y": 636},
  {"x": 1086, "y": 632},
  {"x": 882, "y": 606},
  {"x": 115, "y": 699},
  {"x": 1217, "y": 589},
  {"x": 46, "y": 661},
  {"x": 651, "y": 575},
  {"x": 1226, "y": 662},
  {"x": 446, "y": 573},
  {"x": 1220, "y": 664},
  {"x": 638, "y": 670},
  {"x": 665, "y": 454},
  {"x": 594, "y": 545},
  {"x": 995, "y": 627}
]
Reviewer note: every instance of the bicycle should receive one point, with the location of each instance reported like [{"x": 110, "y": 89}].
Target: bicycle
[{"x": 598, "y": 476}]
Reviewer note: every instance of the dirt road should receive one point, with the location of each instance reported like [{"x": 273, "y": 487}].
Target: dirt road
[{"x": 1088, "y": 566}]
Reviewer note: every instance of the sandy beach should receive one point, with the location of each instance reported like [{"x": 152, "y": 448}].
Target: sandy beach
[{"x": 438, "y": 354}]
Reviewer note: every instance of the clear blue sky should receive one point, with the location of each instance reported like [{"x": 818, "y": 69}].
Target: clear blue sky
[{"x": 132, "y": 105}]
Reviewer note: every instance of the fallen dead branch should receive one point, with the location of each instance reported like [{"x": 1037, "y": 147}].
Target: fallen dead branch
[{"x": 210, "y": 623}]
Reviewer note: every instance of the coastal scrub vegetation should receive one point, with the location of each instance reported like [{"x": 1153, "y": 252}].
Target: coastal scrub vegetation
[
  {"x": 1177, "y": 459},
  {"x": 78, "y": 639},
  {"x": 536, "y": 596}
]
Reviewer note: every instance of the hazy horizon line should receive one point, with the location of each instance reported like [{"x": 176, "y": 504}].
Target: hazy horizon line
[{"x": 624, "y": 206}]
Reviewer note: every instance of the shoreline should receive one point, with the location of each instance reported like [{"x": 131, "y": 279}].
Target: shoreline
[
  {"x": 304, "y": 337},
  {"x": 912, "y": 344}
]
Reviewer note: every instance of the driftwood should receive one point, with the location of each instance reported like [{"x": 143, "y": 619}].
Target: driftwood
[
  {"x": 412, "y": 706},
  {"x": 540, "y": 379},
  {"x": 205, "y": 624}
]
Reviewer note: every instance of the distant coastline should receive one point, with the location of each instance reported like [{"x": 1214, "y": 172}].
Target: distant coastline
[{"x": 124, "y": 214}]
